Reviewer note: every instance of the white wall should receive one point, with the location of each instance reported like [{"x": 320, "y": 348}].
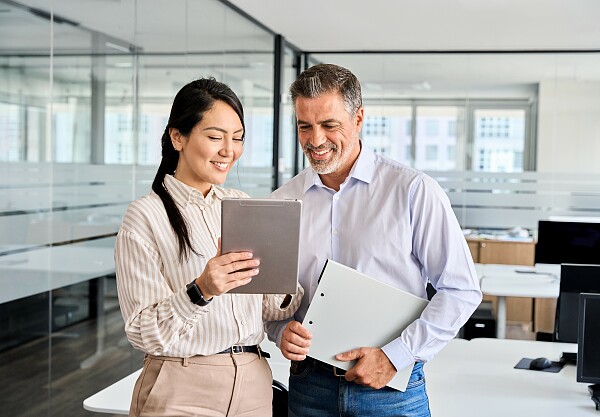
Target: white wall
[{"x": 569, "y": 127}]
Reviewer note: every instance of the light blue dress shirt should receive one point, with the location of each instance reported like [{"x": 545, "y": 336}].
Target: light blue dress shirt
[{"x": 395, "y": 224}]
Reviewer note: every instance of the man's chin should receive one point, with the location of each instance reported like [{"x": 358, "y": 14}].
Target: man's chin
[{"x": 322, "y": 168}]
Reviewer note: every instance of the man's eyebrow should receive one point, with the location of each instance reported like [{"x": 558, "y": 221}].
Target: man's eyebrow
[
  {"x": 302, "y": 122},
  {"x": 221, "y": 129}
]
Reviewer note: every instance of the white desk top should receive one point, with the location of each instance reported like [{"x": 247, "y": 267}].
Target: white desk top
[
  {"x": 478, "y": 378},
  {"x": 467, "y": 379},
  {"x": 40, "y": 270},
  {"x": 527, "y": 286},
  {"x": 504, "y": 280}
]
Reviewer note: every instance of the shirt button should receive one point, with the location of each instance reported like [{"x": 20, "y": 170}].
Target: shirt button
[
  {"x": 336, "y": 197},
  {"x": 243, "y": 322},
  {"x": 335, "y": 232}
]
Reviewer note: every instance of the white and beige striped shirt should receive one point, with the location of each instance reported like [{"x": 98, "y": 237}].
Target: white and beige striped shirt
[{"x": 159, "y": 317}]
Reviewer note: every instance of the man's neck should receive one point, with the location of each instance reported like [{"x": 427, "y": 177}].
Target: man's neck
[{"x": 335, "y": 179}]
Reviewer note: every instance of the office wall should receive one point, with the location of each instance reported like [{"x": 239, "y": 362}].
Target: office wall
[{"x": 569, "y": 126}]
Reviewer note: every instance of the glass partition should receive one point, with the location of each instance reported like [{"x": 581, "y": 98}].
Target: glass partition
[
  {"x": 509, "y": 136},
  {"x": 85, "y": 94}
]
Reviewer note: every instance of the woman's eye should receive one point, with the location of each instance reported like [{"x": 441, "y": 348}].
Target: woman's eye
[
  {"x": 214, "y": 138},
  {"x": 238, "y": 139}
]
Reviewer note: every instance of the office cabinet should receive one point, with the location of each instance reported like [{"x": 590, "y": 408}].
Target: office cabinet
[{"x": 511, "y": 253}]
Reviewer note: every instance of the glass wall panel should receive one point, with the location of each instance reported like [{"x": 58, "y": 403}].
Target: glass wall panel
[
  {"x": 85, "y": 94},
  {"x": 507, "y": 135}
]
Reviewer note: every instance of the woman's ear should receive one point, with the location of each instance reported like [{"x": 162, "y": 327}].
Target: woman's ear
[{"x": 176, "y": 138}]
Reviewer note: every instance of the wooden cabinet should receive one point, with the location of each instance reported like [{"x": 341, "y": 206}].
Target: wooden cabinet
[
  {"x": 518, "y": 309},
  {"x": 539, "y": 312}
]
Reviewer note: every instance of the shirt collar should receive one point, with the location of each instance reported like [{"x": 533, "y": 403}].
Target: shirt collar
[
  {"x": 183, "y": 194},
  {"x": 362, "y": 169}
]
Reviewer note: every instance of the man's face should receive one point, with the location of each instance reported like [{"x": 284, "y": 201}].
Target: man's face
[{"x": 328, "y": 134}]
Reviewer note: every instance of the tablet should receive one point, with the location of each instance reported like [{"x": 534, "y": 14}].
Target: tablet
[{"x": 270, "y": 229}]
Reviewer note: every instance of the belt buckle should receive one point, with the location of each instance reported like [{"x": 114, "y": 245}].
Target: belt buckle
[{"x": 237, "y": 349}]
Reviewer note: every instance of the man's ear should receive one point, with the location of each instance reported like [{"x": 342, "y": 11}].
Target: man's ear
[
  {"x": 359, "y": 118},
  {"x": 176, "y": 138}
]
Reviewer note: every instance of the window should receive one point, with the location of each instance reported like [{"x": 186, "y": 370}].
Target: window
[
  {"x": 431, "y": 152},
  {"x": 387, "y": 132},
  {"x": 432, "y": 141},
  {"x": 500, "y": 137},
  {"x": 431, "y": 127},
  {"x": 479, "y": 135}
]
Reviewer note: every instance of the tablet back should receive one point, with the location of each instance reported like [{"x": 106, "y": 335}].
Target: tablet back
[{"x": 270, "y": 229}]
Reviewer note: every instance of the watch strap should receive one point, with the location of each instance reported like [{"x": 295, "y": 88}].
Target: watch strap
[{"x": 195, "y": 294}]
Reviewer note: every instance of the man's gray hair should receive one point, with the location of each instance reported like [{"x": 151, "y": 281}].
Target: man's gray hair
[{"x": 325, "y": 78}]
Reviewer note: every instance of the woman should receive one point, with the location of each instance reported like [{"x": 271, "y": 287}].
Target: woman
[{"x": 173, "y": 289}]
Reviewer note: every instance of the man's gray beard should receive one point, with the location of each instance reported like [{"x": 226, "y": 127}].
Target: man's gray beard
[
  {"x": 326, "y": 167},
  {"x": 332, "y": 165}
]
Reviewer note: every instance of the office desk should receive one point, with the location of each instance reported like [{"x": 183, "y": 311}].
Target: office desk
[
  {"x": 479, "y": 379},
  {"x": 467, "y": 379},
  {"x": 504, "y": 281},
  {"x": 45, "y": 269}
]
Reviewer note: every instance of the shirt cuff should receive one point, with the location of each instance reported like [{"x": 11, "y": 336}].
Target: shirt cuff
[
  {"x": 184, "y": 307},
  {"x": 398, "y": 354},
  {"x": 275, "y": 330}
]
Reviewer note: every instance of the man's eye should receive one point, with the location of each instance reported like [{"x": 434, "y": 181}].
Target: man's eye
[
  {"x": 303, "y": 127},
  {"x": 238, "y": 139},
  {"x": 214, "y": 138},
  {"x": 329, "y": 126}
]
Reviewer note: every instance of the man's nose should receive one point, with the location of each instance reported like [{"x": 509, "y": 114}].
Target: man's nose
[{"x": 317, "y": 138}]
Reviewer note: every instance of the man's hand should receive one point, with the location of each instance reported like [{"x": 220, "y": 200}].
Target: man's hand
[
  {"x": 295, "y": 341},
  {"x": 373, "y": 367}
]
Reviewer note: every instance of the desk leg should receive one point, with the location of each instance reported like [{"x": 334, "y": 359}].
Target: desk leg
[{"x": 501, "y": 319}]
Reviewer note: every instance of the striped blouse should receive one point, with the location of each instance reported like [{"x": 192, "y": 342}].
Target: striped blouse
[{"x": 159, "y": 317}]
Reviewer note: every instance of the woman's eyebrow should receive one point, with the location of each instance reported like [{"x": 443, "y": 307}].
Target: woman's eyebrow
[{"x": 221, "y": 129}]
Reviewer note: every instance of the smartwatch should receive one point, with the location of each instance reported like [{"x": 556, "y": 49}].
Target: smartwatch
[{"x": 195, "y": 294}]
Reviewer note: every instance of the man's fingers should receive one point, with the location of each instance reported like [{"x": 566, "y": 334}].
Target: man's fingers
[
  {"x": 299, "y": 330},
  {"x": 349, "y": 356}
]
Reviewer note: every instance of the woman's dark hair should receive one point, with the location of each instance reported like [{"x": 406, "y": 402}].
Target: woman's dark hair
[{"x": 189, "y": 106}]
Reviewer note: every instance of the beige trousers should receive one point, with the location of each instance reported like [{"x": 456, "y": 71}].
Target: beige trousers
[{"x": 215, "y": 385}]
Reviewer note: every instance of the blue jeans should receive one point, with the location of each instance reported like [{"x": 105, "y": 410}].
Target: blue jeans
[{"x": 314, "y": 391}]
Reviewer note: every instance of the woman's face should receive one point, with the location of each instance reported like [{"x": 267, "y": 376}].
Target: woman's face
[{"x": 211, "y": 149}]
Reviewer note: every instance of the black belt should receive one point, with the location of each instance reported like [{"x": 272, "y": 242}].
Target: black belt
[
  {"x": 333, "y": 369},
  {"x": 236, "y": 349}
]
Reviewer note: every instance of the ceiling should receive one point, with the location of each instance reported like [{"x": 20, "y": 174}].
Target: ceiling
[
  {"x": 318, "y": 25},
  {"x": 206, "y": 26}
]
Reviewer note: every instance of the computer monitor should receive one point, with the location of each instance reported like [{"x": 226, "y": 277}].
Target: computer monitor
[
  {"x": 574, "y": 280},
  {"x": 562, "y": 242},
  {"x": 588, "y": 359}
]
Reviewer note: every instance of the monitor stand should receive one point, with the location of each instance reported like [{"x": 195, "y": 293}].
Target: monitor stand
[{"x": 595, "y": 392}]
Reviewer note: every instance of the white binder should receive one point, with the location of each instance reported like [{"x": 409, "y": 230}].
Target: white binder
[{"x": 350, "y": 310}]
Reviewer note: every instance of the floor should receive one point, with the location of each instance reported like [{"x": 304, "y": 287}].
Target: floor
[{"x": 51, "y": 376}]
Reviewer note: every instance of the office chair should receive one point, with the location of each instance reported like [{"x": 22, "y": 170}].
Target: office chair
[{"x": 280, "y": 399}]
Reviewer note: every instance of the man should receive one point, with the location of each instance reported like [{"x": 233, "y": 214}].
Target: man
[{"x": 384, "y": 219}]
